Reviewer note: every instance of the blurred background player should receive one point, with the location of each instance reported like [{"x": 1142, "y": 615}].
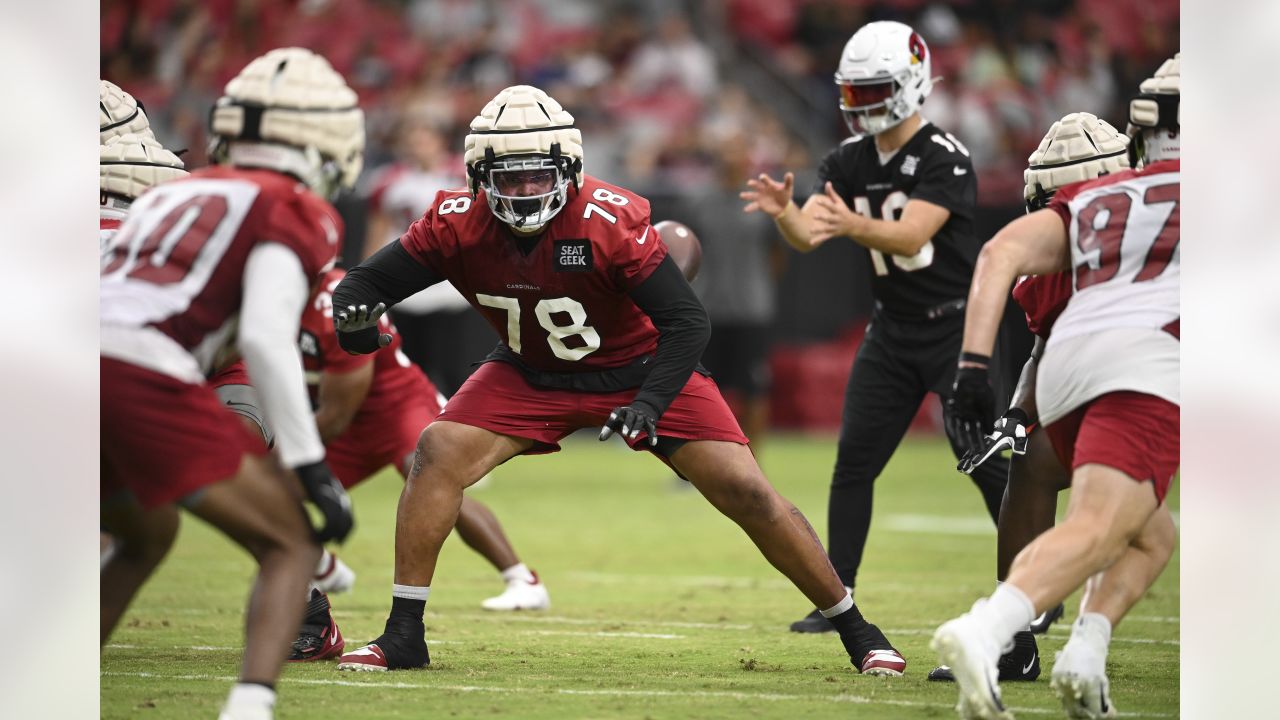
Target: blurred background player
[
  {"x": 1078, "y": 147},
  {"x": 737, "y": 287},
  {"x": 600, "y": 328},
  {"x": 904, "y": 189},
  {"x": 221, "y": 262},
  {"x": 439, "y": 330},
  {"x": 1107, "y": 391}
]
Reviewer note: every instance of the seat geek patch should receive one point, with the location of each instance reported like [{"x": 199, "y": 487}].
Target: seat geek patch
[{"x": 572, "y": 256}]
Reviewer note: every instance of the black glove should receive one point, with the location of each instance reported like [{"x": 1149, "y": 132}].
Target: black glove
[
  {"x": 971, "y": 407},
  {"x": 629, "y": 420},
  {"x": 326, "y": 493},
  {"x": 1010, "y": 434},
  {"x": 358, "y": 328}
]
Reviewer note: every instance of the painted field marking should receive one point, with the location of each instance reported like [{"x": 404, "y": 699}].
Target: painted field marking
[{"x": 730, "y": 695}]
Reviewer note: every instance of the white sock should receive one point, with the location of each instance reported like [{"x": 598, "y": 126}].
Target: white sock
[
  {"x": 410, "y": 592},
  {"x": 1093, "y": 627},
  {"x": 518, "y": 572},
  {"x": 1007, "y": 611},
  {"x": 251, "y": 695},
  {"x": 839, "y": 607},
  {"x": 325, "y": 566}
]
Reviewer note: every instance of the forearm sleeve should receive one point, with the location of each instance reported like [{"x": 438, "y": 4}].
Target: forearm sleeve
[
  {"x": 683, "y": 332},
  {"x": 388, "y": 276},
  {"x": 275, "y": 294}
]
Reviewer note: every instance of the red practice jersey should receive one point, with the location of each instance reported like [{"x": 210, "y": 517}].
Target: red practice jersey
[
  {"x": 396, "y": 380},
  {"x": 177, "y": 263},
  {"x": 561, "y": 304},
  {"x": 1043, "y": 298}
]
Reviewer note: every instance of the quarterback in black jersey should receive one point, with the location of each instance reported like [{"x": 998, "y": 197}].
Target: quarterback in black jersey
[{"x": 905, "y": 190}]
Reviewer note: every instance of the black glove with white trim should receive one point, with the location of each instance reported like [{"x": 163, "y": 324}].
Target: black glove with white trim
[
  {"x": 327, "y": 494},
  {"x": 1010, "y": 433},
  {"x": 971, "y": 407},
  {"x": 358, "y": 328},
  {"x": 630, "y": 420}
]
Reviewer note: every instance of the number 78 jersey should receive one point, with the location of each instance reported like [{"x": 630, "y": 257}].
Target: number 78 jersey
[
  {"x": 559, "y": 301},
  {"x": 1126, "y": 266}
]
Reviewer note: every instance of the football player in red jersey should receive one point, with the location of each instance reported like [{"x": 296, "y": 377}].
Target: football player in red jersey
[
  {"x": 599, "y": 328},
  {"x": 220, "y": 262},
  {"x": 1107, "y": 392},
  {"x": 1078, "y": 147}
]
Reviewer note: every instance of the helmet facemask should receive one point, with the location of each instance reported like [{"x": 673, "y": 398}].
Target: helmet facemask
[
  {"x": 872, "y": 107},
  {"x": 525, "y": 191}
]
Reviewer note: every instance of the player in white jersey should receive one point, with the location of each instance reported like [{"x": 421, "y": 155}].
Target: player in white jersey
[
  {"x": 1108, "y": 394},
  {"x": 204, "y": 268}
]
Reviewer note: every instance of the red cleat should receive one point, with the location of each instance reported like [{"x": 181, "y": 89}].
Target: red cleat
[
  {"x": 888, "y": 663},
  {"x": 369, "y": 658}
]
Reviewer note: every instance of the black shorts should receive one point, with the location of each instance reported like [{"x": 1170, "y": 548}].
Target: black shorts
[{"x": 738, "y": 358}]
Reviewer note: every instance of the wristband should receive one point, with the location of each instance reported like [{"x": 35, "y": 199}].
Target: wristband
[{"x": 975, "y": 358}]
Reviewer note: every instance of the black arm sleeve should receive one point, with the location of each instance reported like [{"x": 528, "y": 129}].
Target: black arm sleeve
[
  {"x": 683, "y": 332},
  {"x": 388, "y": 276}
]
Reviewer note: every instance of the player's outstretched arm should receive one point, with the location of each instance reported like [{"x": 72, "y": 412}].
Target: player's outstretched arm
[
  {"x": 919, "y": 222},
  {"x": 764, "y": 194},
  {"x": 276, "y": 289},
  {"x": 387, "y": 277},
  {"x": 1034, "y": 244},
  {"x": 683, "y": 333}
]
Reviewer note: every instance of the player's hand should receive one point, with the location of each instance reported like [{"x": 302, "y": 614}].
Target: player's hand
[
  {"x": 1010, "y": 433},
  {"x": 629, "y": 421},
  {"x": 971, "y": 407},
  {"x": 358, "y": 328},
  {"x": 326, "y": 493},
  {"x": 768, "y": 195},
  {"x": 831, "y": 216}
]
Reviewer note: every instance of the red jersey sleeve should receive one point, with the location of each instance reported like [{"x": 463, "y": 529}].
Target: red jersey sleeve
[
  {"x": 307, "y": 225},
  {"x": 426, "y": 240},
  {"x": 1043, "y": 298},
  {"x": 635, "y": 248}
]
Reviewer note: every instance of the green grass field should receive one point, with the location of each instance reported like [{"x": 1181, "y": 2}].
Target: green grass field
[{"x": 661, "y": 607}]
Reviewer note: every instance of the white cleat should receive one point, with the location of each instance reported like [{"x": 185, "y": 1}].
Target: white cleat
[
  {"x": 337, "y": 578},
  {"x": 246, "y": 712},
  {"x": 972, "y": 657},
  {"x": 1080, "y": 680},
  {"x": 520, "y": 595}
]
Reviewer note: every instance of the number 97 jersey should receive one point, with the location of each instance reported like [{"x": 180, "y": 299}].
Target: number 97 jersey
[{"x": 560, "y": 299}]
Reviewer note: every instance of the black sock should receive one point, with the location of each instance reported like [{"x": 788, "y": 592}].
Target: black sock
[
  {"x": 267, "y": 685},
  {"x": 317, "y": 612},
  {"x": 857, "y": 635},
  {"x": 407, "y": 610}
]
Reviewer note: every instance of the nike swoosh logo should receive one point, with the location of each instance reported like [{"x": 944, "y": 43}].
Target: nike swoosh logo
[
  {"x": 1027, "y": 669},
  {"x": 959, "y": 170},
  {"x": 645, "y": 236}
]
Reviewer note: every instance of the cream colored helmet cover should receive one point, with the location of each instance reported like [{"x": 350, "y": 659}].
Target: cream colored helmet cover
[
  {"x": 129, "y": 164},
  {"x": 523, "y": 120},
  {"x": 1078, "y": 147}
]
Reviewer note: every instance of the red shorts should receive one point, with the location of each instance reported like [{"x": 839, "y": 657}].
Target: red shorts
[
  {"x": 496, "y": 397},
  {"x": 1133, "y": 432},
  {"x": 163, "y": 438},
  {"x": 376, "y": 440}
]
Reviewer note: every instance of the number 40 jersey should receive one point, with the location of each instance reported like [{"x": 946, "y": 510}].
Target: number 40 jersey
[{"x": 558, "y": 300}]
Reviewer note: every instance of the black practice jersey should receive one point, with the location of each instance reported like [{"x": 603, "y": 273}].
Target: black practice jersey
[{"x": 932, "y": 166}]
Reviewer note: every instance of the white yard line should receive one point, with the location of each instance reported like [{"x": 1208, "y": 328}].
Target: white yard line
[
  {"x": 655, "y": 636},
  {"x": 731, "y": 695}
]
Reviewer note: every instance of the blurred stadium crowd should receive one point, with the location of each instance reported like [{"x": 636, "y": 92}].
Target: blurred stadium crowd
[{"x": 679, "y": 100}]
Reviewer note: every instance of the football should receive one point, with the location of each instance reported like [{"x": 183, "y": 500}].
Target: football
[{"x": 683, "y": 245}]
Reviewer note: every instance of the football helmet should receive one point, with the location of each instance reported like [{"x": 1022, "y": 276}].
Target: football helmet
[
  {"x": 524, "y": 151},
  {"x": 119, "y": 113},
  {"x": 1078, "y": 147},
  {"x": 883, "y": 76},
  {"x": 1155, "y": 115},
  {"x": 131, "y": 163},
  {"x": 290, "y": 111}
]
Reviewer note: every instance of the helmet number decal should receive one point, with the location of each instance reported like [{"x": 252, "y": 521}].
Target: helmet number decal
[
  {"x": 604, "y": 196},
  {"x": 891, "y": 209},
  {"x": 459, "y": 204},
  {"x": 556, "y": 333}
]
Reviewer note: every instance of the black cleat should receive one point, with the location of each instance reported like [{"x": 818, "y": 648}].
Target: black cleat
[
  {"x": 814, "y": 622},
  {"x": 1040, "y": 625},
  {"x": 319, "y": 638},
  {"x": 1021, "y": 664}
]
